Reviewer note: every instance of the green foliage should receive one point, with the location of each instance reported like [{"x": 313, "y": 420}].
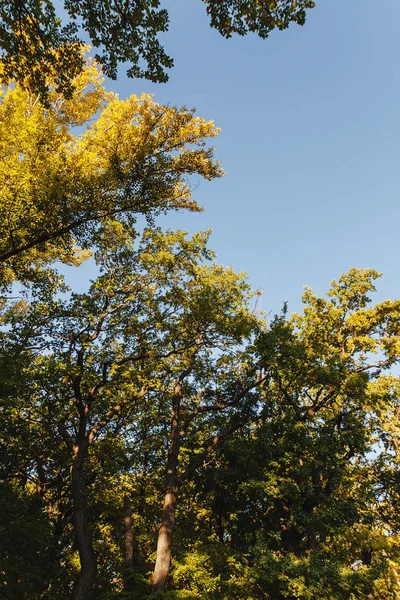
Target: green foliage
[
  {"x": 28, "y": 553},
  {"x": 286, "y": 435},
  {"x": 100, "y": 367},
  {"x": 241, "y": 17},
  {"x": 297, "y": 498},
  {"x": 38, "y": 49},
  {"x": 296, "y": 494}
]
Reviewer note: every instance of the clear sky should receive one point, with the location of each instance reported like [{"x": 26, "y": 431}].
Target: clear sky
[{"x": 310, "y": 143}]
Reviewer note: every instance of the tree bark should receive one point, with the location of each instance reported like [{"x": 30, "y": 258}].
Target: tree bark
[
  {"x": 164, "y": 541},
  {"x": 128, "y": 535},
  {"x": 83, "y": 588},
  {"x": 131, "y": 549}
]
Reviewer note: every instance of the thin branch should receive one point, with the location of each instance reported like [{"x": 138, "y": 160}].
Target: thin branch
[{"x": 110, "y": 414}]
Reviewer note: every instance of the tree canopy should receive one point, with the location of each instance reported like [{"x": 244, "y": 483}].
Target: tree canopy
[
  {"x": 40, "y": 50},
  {"x": 158, "y": 406},
  {"x": 161, "y": 436},
  {"x": 59, "y": 188}
]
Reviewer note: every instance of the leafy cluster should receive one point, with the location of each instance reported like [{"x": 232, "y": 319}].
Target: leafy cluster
[
  {"x": 58, "y": 189},
  {"x": 42, "y": 53}
]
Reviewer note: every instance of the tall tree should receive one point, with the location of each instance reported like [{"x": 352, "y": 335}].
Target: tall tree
[
  {"x": 298, "y": 498},
  {"x": 94, "y": 359},
  {"x": 208, "y": 390}
]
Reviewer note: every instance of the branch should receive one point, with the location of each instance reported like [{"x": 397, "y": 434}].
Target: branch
[
  {"x": 46, "y": 237},
  {"x": 199, "y": 459},
  {"x": 110, "y": 414},
  {"x": 311, "y": 410},
  {"x": 223, "y": 406},
  {"x": 68, "y": 439}
]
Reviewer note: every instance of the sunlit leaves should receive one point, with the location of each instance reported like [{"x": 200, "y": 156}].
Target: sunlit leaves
[{"x": 59, "y": 188}]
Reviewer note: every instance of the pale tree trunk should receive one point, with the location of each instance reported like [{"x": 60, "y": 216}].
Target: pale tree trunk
[
  {"x": 164, "y": 541},
  {"x": 83, "y": 588},
  {"x": 131, "y": 550},
  {"x": 131, "y": 533},
  {"x": 128, "y": 534},
  {"x": 172, "y": 481}
]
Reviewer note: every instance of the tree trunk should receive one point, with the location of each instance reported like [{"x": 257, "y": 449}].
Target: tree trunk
[
  {"x": 83, "y": 588},
  {"x": 128, "y": 535},
  {"x": 164, "y": 541},
  {"x": 130, "y": 548}
]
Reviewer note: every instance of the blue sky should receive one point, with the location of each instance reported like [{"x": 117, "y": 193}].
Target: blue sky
[{"x": 310, "y": 143}]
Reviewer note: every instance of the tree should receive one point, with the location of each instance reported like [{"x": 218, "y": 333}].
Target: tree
[
  {"x": 37, "y": 47},
  {"x": 95, "y": 359},
  {"x": 59, "y": 188},
  {"x": 296, "y": 498},
  {"x": 207, "y": 395}
]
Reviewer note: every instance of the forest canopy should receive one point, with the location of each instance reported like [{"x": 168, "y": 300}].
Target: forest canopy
[{"x": 160, "y": 435}]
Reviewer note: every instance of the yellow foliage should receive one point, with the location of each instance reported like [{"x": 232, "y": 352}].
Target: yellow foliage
[{"x": 59, "y": 186}]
